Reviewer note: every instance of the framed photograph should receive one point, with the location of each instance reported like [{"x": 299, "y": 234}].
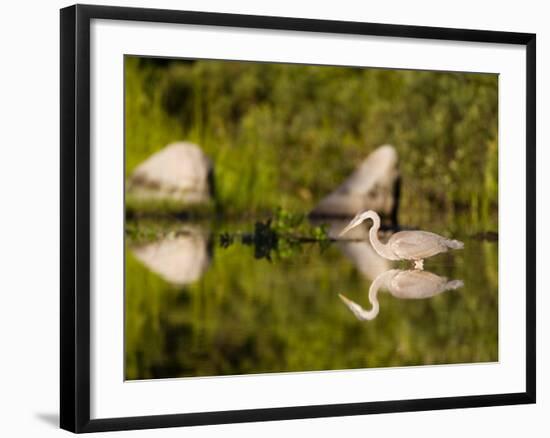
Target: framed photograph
[{"x": 268, "y": 218}]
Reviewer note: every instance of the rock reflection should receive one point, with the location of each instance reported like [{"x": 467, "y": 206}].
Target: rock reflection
[
  {"x": 179, "y": 259},
  {"x": 402, "y": 284}
]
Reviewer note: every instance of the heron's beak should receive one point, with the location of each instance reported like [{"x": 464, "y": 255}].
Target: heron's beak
[{"x": 352, "y": 224}]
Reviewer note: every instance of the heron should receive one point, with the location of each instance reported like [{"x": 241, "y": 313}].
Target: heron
[
  {"x": 403, "y": 284},
  {"x": 404, "y": 245}
]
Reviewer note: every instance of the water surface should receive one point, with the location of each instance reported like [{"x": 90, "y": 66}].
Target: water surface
[{"x": 205, "y": 299}]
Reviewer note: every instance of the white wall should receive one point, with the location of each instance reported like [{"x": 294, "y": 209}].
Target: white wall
[{"x": 29, "y": 249}]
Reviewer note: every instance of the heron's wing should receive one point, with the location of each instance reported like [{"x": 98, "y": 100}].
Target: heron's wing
[{"x": 416, "y": 244}]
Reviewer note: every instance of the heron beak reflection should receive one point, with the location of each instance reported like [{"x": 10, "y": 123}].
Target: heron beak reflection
[{"x": 402, "y": 284}]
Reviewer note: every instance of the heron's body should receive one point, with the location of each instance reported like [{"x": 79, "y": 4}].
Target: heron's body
[
  {"x": 419, "y": 245},
  {"x": 405, "y": 245}
]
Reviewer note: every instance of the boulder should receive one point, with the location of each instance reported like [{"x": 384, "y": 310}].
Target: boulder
[
  {"x": 374, "y": 185},
  {"x": 181, "y": 171}
]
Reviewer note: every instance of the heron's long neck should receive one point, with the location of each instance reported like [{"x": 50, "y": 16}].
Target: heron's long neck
[{"x": 378, "y": 246}]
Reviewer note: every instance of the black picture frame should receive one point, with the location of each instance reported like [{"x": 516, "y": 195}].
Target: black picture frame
[{"x": 75, "y": 217}]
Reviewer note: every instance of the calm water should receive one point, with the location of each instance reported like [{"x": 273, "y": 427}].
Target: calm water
[{"x": 200, "y": 303}]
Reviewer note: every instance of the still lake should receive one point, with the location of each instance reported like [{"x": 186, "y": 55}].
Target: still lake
[{"x": 206, "y": 299}]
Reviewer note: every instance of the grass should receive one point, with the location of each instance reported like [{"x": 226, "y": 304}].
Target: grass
[
  {"x": 286, "y": 135},
  {"x": 281, "y": 138}
]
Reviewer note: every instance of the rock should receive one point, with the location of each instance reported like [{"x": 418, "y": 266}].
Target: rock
[
  {"x": 179, "y": 260},
  {"x": 374, "y": 185},
  {"x": 181, "y": 171}
]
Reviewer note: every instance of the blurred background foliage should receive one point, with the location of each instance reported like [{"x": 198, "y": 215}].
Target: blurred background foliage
[
  {"x": 284, "y": 136},
  {"x": 287, "y": 135}
]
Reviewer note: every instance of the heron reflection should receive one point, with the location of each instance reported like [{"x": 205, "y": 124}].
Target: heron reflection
[{"x": 402, "y": 284}]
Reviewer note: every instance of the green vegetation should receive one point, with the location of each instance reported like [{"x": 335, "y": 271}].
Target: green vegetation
[
  {"x": 280, "y": 236},
  {"x": 281, "y": 137},
  {"x": 163, "y": 208},
  {"x": 286, "y": 135}
]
